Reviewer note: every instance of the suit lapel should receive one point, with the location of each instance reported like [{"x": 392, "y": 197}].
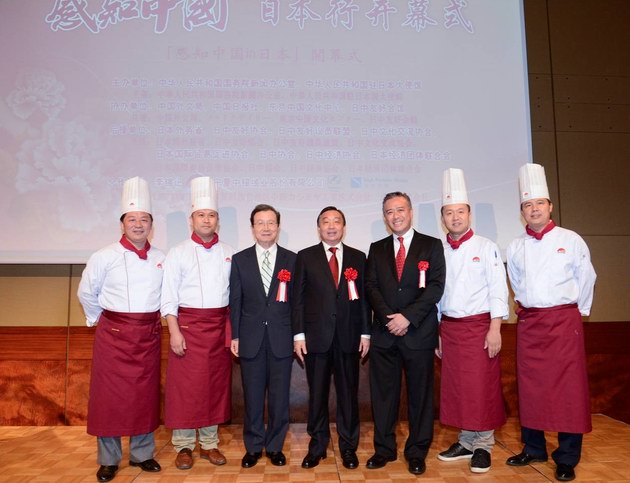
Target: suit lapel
[
  {"x": 255, "y": 268},
  {"x": 281, "y": 257},
  {"x": 347, "y": 263},
  {"x": 412, "y": 257},
  {"x": 391, "y": 256},
  {"x": 324, "y": 265}
]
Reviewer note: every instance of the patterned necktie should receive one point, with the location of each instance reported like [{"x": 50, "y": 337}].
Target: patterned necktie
[
  {"x": 400, "y": 258},
  {"x": 334, "y": 265},
  {"x": 266, "y": 272}
]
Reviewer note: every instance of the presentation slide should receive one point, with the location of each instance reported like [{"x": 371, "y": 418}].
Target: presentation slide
[{"x": 300, "y": 104}]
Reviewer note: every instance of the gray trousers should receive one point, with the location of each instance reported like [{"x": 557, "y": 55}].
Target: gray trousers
[
  {"x": 141, "y": 448},
  {"x": 472, "y": 440},
  {"x": 187, "y": 438}
]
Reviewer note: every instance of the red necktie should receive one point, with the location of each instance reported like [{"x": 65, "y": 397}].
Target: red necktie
[
  {"x": 129, "y": 246},
  {"x": 334, "y": 265},
  {"x": 400, "y": 258},
  {"x": 455, "y": 244},
  {"x": 538, "y": 236},
  {"x": 197, "y": 239}
]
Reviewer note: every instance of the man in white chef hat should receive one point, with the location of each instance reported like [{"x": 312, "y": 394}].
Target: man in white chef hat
[
  {"x": 552, "y": 277},
  {"x": 474, "y": 303},
  {"x": 120, "y": 293},
  {"x": 195, "y": 299}
]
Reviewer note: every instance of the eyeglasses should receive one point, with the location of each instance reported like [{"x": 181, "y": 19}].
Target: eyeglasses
[{"x": 270, "y": 224}]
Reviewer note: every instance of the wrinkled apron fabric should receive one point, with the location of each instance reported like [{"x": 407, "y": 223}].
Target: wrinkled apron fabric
[
  {"x": 470, "y": 396},
  {"x": 199, "y": 383},
  {"x": 551, "y": 370},
  {"x": 125, "y": 380}
]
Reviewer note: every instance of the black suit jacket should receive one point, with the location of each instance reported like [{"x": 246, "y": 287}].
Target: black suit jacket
[
  {"x": 388, "y": 296},
  {"x": 250, "y": 308},
  {"x": 322, "y": 311}
]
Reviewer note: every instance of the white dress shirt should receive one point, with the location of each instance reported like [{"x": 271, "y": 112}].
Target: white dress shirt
[
  {"x": 556, "y": 270},
  {"x": 407, "y": 237},
  {"x": 196, "y": 277},
  {"x": 260, "y": 255},
  {"x": 117, "y": 279},
  {"x": 338, "y": 254},
  {"x": 475, "y": 280}
]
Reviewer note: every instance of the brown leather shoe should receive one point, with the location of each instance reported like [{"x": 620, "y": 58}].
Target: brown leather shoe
[
  {"x": 213, "y": 455},
  {"x": 184, "y": 460}
]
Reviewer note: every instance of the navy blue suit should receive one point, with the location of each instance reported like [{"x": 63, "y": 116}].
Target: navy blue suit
[{"x": 263, "y": 327}]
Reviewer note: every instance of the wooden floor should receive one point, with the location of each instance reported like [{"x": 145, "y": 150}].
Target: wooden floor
[{"x": 68, "y": 454}]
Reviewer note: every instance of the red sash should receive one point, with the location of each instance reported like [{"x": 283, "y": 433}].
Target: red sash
[
  {"x": 551, "y": 370},
  {"x": 199, "y": 384},
  {"x": 470, "y": 396},
  {"x": 125, "y": 380}
]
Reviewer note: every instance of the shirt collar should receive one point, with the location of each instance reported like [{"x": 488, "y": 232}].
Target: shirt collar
[
  {"x": 260, "y": 250},
  {"x": 339, "y": 246},
  {"x": 406, "y": 237}
]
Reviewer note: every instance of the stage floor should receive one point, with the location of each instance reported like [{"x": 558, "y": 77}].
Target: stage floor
[{"x": 68, "y": 454}]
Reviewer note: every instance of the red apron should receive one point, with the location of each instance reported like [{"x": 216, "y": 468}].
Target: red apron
[
  {"x": 125, "y": 380},
  {"x": 199, "y": 383},
  {"x": 470, "y": 396},
  {"x": 551, "y": 370}
]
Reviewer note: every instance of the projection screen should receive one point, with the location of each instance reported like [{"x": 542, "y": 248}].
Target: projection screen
[{"x": 300, "y": 104}]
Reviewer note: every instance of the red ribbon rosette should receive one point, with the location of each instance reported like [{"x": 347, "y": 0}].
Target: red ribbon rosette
[
  {"x": 351, "y": 275},
  {"x": 423, "y": 266},
  {"x": 285, "y": 277}
]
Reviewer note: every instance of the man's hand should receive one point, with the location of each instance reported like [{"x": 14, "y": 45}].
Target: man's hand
[
  {"x": 234, "y": 347},
  {"x": 364, "y": 346},
  {"x": 493, "y": 342},
  {"x": 178, "y": 343},
  {"x": 299, "y": 347},
  {"x": 438, "y": 350},
  {"x": 397, "y": 324}
]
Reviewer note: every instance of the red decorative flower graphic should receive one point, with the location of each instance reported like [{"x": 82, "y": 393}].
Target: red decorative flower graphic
[
  {"x": 351, "y": 274},
  {"x": 423, "y": 265},
  {"x": 284, "y": 275}
]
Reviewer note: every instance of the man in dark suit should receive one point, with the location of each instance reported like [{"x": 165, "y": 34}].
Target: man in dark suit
[
  {"x": 404, "y": 281},
  {"x": 331, "y": 332},
  {"x": 261, "y": 335}
]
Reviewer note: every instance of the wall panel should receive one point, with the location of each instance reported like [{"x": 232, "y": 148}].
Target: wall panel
[
  {"x": 612, "y": 264},
  {"x": 537, "y": 37},
  {"x": 34, "y": 295},
  {"x": 594, "y": 169},
  {"x": 590, "y": 37}
]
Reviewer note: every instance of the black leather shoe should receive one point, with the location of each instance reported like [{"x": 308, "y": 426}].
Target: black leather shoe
[
  {"x": 311, "y": 460},
  {"x": 250, "y": 459},
  {"x": 523, "y": 459},
  {"x": 277, "y": 458},
  {"x": 151, "y": 465},
  {"x": 417, "y": 466},
  {"x": 565, "y": 473},
  {"x": 106, "y": 473},
  {"x": 378, "y": 461},
  {"x": 349, "y": 458}
]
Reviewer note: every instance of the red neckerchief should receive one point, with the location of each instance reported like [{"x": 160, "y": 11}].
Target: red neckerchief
[
  {"x": 206, "y": 245},
  {"x": 455, "y": 244},
  {"x": 129, "y": 246},
  {"x": 538, "y": 236}
]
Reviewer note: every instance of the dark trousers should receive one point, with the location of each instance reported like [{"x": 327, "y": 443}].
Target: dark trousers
[
  {"x": 386, "y": 367},
  {"x": 319, "y": 369},
  {"x": 270, "y": 376},
  {"x": 569, "y": 446}
]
